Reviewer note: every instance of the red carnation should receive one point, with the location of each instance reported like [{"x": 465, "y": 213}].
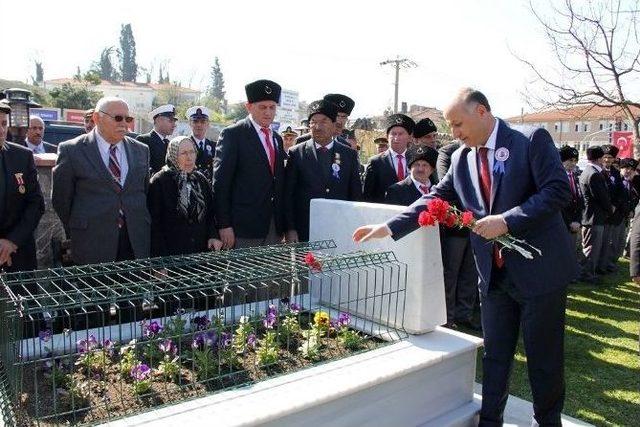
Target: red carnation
[
  {"x": 467, "y": 219},
  {"x": 450, "y": 220},
  {"x": 438, "y": 208},
  {"x": 425, "y": 219},
  {"x": 312, "y": 262}
]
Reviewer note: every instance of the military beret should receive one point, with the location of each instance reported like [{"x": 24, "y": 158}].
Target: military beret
[
  {"x": 427, "y": 154},
  {"x": 400, "y": 120},
  {"x": 167, "y": 110},
  {"x": 322, "y": 106},
  {"x": 612, "y": 150},
  {"x": 197, "y": 112},
  {"x": 594, "y": 153},
  {"x": 424, "y": 127},
  {"x": 4, "y": 108},
  {"x": 628, "y": 163},
  {"x": 344, "y": 103},
  {"x": 263, "y": 90},
  {"x": 567, "y": 153}
]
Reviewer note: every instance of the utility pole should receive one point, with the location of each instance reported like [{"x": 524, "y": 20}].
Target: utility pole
[{"x": 397, "y": 63}]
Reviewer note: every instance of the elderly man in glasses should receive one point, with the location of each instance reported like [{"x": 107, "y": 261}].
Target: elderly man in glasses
[{"x": 100, "y": 189}]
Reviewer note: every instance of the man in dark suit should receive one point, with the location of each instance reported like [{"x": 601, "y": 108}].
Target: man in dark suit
[
  {"x": 320, "y": 168},
  {"x": 198, "y": 117},
  {"x": 615, "y": 225},
  {"x": 21, "y": 202},
  {"x": 100, "y": 184},
  {"x": 597, "y": 208},
  {"x": 164, "y": 123},
  {"x": 421, "y": 162},
  {"x": 387, "y": 168},
  {"x": 345, "y": 107},
  {"x": 426, "y": 133},
  {"x": 511, "y": 184},
  {"x": 572, "y": 211},
  {"x": 34, "y": 140},
  {"x": 248, "y": 173}
]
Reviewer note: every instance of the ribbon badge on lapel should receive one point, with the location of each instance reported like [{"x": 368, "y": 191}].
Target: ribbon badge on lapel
[
  {"x": 502, "y": 155},
  {"x": 336, "y": 166},
  {"x": 20, "y": 182},
  {"x": 209, "y": 149}
]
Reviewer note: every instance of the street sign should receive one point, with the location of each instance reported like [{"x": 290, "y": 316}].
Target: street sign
[{"x": 46, "y": 114}]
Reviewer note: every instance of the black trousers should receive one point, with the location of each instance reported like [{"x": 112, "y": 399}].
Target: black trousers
[{"x": 504, "y": 312}]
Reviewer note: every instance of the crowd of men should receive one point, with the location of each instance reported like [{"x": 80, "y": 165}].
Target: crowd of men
[{"x": 263, "y": 182}]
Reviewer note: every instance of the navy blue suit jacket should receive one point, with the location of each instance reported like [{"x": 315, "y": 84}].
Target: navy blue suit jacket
[{"x": 529, "y": 195}]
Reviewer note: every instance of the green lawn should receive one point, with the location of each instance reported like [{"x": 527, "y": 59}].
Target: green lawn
[{"x": 602, "y": 364}]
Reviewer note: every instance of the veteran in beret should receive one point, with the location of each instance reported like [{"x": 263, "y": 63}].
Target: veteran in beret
[
  {"x": 572, "y": 211},
  {"x": 198, "y": 117},
  {"x": 421, "y": 162},
  {"x": 248, "y": 173},
  {"x": 318, "y": 168},
  {"x": 21, "y": 202},
  {"x": 614, "y": 228},
  {"x": 389, "y": 167},
  {"x": 426, "y": 133},
  {"x": 164, "y": 123}
]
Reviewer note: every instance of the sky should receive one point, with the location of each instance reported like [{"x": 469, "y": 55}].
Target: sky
[{"x": 308, "y": 46}]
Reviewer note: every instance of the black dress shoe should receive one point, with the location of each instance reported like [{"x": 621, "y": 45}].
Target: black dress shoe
[
  {"x": 470, "y": 324},
  {"x": 451, "y": 325}
]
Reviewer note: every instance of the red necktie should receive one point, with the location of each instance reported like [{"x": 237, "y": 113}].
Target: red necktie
[
  {"x": 573, "y": 186},
  {"x": 114, "y": 168},
  {"x": 400, "y": 168},
  {"x": 485, "y": 185},
  {"x": 424, "y": 189},
  {"x": 271, "y": 153}
]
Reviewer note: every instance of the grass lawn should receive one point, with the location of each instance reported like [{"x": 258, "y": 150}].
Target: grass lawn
[{"x": 602, "y": 365}]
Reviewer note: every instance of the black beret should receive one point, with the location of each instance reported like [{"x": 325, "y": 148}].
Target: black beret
[
  {"x": 612, "y": 150},
  {"x": 321, "y": 106},
  {"x": 4, "y": 108},
  {"x": 400, "y": 120},
  {"x": 427, "y": 154},
  {"x": 567, "y": 153},
  {"x": 594, "y": 153},
  {"x": 628, "y": 163},
  {"x": 424, "y": 127},
  {"x": 263, "y": 90},
  {"x": 344, "y": 103}
]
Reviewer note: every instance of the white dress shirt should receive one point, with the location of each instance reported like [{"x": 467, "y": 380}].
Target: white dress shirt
[
  {"x": 491, "y": 145},
  {"x": 121, "y": 155},
  {"x": 36, "y": 149},
  {"x": 329, "y": 146},
  {"x": 418, "y": 184},
  {"x": 262, "y": 137},
  {"x": 394, "y": 161}
]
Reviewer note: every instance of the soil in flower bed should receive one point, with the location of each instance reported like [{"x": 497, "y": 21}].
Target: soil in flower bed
[{"x": 110, "y": 396}]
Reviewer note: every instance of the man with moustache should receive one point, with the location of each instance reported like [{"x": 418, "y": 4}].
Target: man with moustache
[
  {"x": 198, "y": 117},
  {"x": 345, "y": 106},
  {"x": 318, "y": 168},
  {"x": 389, "y": 167},
  {"x": 21, "y": 202},
  {"x": 511, "y": 184},
  {"x": 426, "y": 134},
  {"x": 100, "y": 184},
  {"x": 164, "y": 123},
  {"x": 34, "y": 140},
  {"x": 88, "y": 122},
  {"x": 248, "y": 173},
  {"x": 421, "y": 162}
]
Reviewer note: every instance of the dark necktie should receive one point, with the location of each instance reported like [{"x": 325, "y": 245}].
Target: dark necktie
[
  {"x": 165, "y": 140},
  {"x": 485, "y": 185},
  {"x": 114, "y": 168},
  {"x": 572, "y": 184}
]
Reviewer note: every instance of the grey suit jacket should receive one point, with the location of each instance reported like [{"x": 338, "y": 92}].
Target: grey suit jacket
[{"x": 87, "y": 199}]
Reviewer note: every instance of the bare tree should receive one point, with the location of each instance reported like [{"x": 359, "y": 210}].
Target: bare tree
[{"x": 596, "y": 45}]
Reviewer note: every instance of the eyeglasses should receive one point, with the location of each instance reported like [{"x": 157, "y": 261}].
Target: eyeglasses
[{"x": 118, "y": 118}]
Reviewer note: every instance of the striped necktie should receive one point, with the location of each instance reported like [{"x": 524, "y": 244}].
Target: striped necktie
[{"x": 114, "y": 168}]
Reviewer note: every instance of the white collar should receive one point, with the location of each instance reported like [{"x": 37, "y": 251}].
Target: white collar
[
  {"x": 160, "y": 135},
  {"x": 596, "y": 167},
  {"x": 35, "y": 146},
  {"x": 394, "y": 154},
  {"x": 103, "y": 142},
  {"x": 491, "y": 142},
  {"x": 418, "y": 183},
  {"x": 257, "y": 126},
  {"x": 329, "y": 146}
]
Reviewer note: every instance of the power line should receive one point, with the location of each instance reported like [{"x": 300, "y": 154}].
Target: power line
[{"x": 398, "y": 63}]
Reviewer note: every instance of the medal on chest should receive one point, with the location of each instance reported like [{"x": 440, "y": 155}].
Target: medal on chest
[{"x": 20, "y": 183}]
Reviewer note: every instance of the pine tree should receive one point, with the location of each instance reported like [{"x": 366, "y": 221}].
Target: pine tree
[
  {"x": 216, "y": 88},
  {"x": 78, "y": 75},
  {"x": 128, "y": 65},
  {"x": 104, "y": 66},
  {"x": 39, "y": 78}
]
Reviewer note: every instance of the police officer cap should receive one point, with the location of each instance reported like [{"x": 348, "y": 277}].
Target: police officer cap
[
  {"x": 427, "y": 154},
  {"x": 380, "y": 140},
  {"x": 322, "y": 106},
  {"x": 197, "y": 112},
  {"x": 612, "y": 150},
  {"x": 402, "y": 121},
  {"x": 567, "y": 153},
  {"x": 4, "y": 108},
  {"x": 594, "y": 153},
  {"x": 424, "y": 127},
  {"x": 289, "y": 131},
  {"x": 166, "y": 110},
  {"x": 628, "y": 163},
  {"x": 344, "y": 103},
  {"x": 263, "y": 90}
]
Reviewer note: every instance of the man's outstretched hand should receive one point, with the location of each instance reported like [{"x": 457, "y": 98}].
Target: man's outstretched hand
[{"x": 372, "y": 231}]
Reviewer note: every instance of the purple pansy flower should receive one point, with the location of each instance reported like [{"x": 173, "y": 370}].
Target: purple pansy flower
[
  {"x": 108, "y": 346},
  {"x": 226, "y": 338},
  {"x": 87, "y": 345},
  {"x": 271, "y": 317},
  {"x": 344, "y": 319},
  {"x": 140, "y": 372},
  {"x": 45, "y": 335},
  {"x": 295, "y": 308},
  {"x": 200, "y": 323},
  {"x": 152, "y": 329},
  {"x": 202, "y": 340},
  {"x": 168, "y": 346},
  {"x": 251, "y": 340}
]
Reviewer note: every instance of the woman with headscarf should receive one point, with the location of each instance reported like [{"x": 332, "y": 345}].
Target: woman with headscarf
[{"x": 181, "y": 204}]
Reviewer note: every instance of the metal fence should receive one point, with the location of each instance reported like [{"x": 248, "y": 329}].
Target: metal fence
[{"x": 86, "y": 344}]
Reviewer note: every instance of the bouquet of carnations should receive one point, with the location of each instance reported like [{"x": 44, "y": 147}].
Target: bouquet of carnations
[{"x": 440, "y": 211}]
